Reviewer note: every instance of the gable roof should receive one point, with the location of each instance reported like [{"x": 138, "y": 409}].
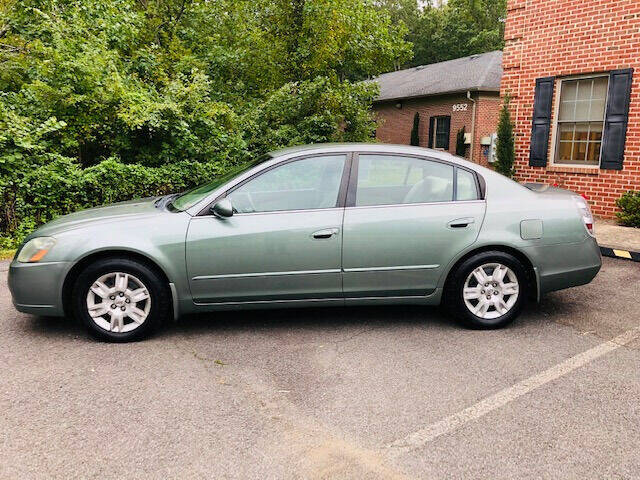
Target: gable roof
[{"x": 480, "y": 72}]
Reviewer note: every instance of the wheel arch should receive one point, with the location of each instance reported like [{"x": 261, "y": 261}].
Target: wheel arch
[
  {"x": 85, "y": 261},
  {"x": 524, "y": 259}
]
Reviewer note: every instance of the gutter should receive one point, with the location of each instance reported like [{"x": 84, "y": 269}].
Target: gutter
[
  {"x": 437, "y": 94},
  {"x": 473, "y": 125}
]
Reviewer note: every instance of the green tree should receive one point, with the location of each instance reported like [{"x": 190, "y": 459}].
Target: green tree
[
  {"x": 415, "y": 131},
  {"x": 461, "y": 147},
  {"x": 505, "y": 148},
  {"x": 457, "y": 29},
  {"x": 166, "y": 92}
]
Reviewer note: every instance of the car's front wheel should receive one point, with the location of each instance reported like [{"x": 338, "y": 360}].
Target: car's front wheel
[
  {"x": 488, "y": 290},
  {"x": 120, "y": 299}
]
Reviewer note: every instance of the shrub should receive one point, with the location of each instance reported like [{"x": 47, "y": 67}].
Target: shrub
[
  {"x": 61, "y": 187},
  {"x": 106, "y": 100},
  {"x": 314, "y": 111},
  {"x": 505, "y": 149},
  {"x": 461, "y": 147},
  {"x": 415, "y": 131},
  {"x": 629, "y": 203}
]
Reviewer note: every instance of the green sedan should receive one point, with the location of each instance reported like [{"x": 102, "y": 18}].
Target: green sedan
[{"x": 343, "y": 224}]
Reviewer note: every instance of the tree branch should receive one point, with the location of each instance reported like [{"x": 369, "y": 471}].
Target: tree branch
[{"x": 11, "y": 48}]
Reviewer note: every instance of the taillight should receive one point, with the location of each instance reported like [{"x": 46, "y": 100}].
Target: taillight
[{"x": 585, "y": 212}]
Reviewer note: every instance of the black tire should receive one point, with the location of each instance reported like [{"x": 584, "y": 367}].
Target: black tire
[
  {"x": 158, "y": 291},
  {"x": 453, "y": 295}
]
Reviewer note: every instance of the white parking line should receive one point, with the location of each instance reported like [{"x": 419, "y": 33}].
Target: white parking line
[{"x": 455, "y": 421}]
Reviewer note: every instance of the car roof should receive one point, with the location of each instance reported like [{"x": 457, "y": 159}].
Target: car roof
[
  {"x": 373, "y": 147},
  {"x": 488, "y": 175}
]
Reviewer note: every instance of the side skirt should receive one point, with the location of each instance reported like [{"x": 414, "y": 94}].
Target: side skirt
[{"x": 432, "y": 299}]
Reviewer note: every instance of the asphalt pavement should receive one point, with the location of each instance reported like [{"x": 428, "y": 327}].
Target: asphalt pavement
[{"x": 339, "y": 393}]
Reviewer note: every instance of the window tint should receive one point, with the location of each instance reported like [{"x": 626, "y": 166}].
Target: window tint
[
  {"x": 393, "y": 180},
  {"x": 306, "y": 184},
  {"x": 466, "y": 187}
]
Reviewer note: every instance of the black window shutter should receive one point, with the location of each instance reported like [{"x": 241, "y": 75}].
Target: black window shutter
[
  {"x": 615, "y": 119},
  {"x": 432, "y": 121},
  {"x": 447, "y": 129},
  {"x": 541, "y": 123}
]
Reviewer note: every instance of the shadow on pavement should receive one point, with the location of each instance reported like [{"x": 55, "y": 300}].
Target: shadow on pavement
[
  {"x": 304, "y": 319},
  {"x": 311, "y": 319},
  {"x": 270, "y": 319}
]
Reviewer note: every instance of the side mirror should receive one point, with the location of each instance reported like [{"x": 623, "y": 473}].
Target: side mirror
[{"x": 222, "y": 208}]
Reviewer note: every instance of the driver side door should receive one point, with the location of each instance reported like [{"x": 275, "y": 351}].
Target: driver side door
[{"x": 283, "y": 242}]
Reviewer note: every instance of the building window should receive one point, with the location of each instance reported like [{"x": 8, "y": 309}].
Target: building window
[
  {"x": 440, "y": 132},
  {"x": 580, "y": 120}
]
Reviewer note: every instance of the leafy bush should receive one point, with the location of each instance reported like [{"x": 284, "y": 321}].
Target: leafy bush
[
  {"x": 106, "y": 100},
  {"x": 312, "y": 111},
  {"x": 505, "y": 148},
  {"x": 415, "y": 131},
  {"x": 61, "y": 187},
  {"x": 461, "y": 147},
  {"x": 629, "y": 203}
]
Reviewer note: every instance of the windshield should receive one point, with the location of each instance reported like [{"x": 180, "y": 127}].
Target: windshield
[{"x": 189, "y": 198}]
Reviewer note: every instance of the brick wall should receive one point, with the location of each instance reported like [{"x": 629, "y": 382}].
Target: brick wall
[
  {"x": 395, "y": 123},
  {"x": 487, "y": 114},
  {"x": 569, "y": 37}
]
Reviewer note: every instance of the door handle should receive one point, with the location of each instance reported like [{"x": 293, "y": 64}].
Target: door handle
[
  {"x": 325, "y": 234},
  {"x": 460, "y": 222}
]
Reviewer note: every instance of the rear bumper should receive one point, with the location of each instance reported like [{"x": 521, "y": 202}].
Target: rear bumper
[
  {"x": 573, "y": 278},
  {"x": 566, "y": 265},
  {"x": 36, "y": 288}
]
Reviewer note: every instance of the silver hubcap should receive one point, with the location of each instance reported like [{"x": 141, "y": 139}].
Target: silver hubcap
[
  {"x": 491, "y": 290},
  {"x": 118, "y": 302}
]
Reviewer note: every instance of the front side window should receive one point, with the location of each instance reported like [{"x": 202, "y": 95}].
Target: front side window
[
  {"x": 191, "y": 197},
  {"x": 580, "y": 119},
  {"x": 306, "y": 184},
  {"x": 394, "y": 180}
]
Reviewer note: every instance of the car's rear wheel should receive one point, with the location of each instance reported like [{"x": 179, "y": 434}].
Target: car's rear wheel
[
  {"x": 120, "y": 299},
  {"x": 488, "y": 290}
]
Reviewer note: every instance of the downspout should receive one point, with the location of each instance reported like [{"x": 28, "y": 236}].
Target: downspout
[{"x": 473, "y": 124}]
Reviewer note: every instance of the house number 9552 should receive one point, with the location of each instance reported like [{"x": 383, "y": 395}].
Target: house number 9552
[{"x": 460, "y": 107}]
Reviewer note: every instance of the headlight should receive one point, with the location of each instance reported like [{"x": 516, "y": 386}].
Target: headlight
[{"x": 35, "y": 249}]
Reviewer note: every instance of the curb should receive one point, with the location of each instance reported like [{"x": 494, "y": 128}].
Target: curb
[{"x": 618, "y": 253}]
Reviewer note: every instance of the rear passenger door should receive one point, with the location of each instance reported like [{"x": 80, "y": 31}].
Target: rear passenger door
[{"x": 406, "y": 217}]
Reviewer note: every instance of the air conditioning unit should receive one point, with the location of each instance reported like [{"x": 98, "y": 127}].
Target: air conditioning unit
[{"x": 493, "y": 140}]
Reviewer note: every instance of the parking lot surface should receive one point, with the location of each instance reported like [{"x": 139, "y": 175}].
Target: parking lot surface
[{"x": 332, "y": 393}]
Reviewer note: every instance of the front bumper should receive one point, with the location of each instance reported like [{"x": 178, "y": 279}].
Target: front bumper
[{"x": 36, "y": 288}]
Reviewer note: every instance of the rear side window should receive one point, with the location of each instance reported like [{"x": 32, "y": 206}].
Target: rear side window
[
  {"x": 467, "y": 188},
  {"x": 398, "y": 180}
]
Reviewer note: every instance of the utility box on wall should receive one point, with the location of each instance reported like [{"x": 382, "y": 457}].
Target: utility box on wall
[{"x": 488, "y": 144}]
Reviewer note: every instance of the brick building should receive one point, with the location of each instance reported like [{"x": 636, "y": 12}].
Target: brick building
[
  {"x": 448, "y": 96},
  {"x": 569, "y": 66}
]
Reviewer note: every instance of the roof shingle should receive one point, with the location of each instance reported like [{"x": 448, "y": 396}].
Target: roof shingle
[{"x": 476, "y": 72}]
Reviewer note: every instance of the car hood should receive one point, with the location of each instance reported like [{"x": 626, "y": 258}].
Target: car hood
[{"x": 114, "y": 212}]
